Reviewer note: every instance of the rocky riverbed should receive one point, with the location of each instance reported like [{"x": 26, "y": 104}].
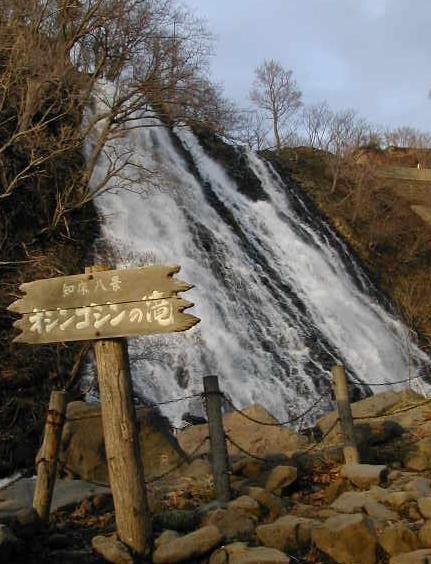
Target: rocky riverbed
[{"x": 293, "y": 499}]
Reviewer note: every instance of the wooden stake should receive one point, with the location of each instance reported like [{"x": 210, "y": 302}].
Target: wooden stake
[
  {"x": 47, "y": 461},
  {"x": 351, "y": 455},
  {"x": 219, "y": 455},
  {"x": 126, "y": 472}
]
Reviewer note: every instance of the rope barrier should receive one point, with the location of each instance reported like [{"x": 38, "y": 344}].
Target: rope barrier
[
  {"x": 323, "y": 437},
  {"x": 278, "y": 424},
  {"x": 153, "y": 406},
  {"x": 373, "y": 384},
  {"x": 306, "y": 451},
  {"x": 236, "y": 445},
  {"x": 389, "y": 414},
  {"x": 177, "y": 400}
]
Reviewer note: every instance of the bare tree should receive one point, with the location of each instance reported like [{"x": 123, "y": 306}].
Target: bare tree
[
  {"x": 253, "y": 130},
  {"x": 52, "y": 55},
  {"x": 317, "y": 123},
  {"x": 275, "y": 92},
  {"x": 407, "y": 137}
]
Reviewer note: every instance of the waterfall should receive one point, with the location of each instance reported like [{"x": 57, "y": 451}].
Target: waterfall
[{"x": 279, "y": 297}]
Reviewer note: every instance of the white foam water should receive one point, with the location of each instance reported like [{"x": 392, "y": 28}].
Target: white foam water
[{"x": 279, "y": 298}]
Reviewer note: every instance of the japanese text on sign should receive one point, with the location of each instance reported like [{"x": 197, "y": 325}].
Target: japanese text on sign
[
  {"x": 84, "y": 287},
  {"x": 154, "y": 312}
]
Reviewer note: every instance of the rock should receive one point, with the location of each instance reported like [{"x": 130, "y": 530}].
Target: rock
[
  {"x": 240, "y": 553},
  {"x": 303, "y": 510},
  {"x": 287, "y": 533},
  {"x": 198, "y": 469},
  {"x": 325, "y": 513},
  {"x": 416, "y": 557},
  {"x": 82, "y": 449},
  {"x": 393, "y": 475},
  {"x": 111, "y": 549},
  {"x": 419, "y": 486},
  {"x": 166, "y": 536},
  {"x": 208, "y": 508},
  {"x": 425, "y": 534},
  {"x": 397, "y": 539},
  {"x": 190, "y": 546},
  {"x": 378, "y": 404},
  {"x": 418, "y": 455},
  {"x": 379, "y": 494},
  {"x": 350, "y": 502},
  {"x": 238, "y": 486},
  {"x": 424, "y": 506},
  {"x": 335, "y": 489},
  {"x": 249, "y": 467},
  {"x": 8, "y": 543},
  {"x": 347, "y": 539},
  {"x": 233, "y": 525},
  {"x": 364, "y": 476},
  {"x": 412, "y": 511},
  {"x": 245, "y": 505},
  {"x": 377, "y": 431},
  {"x": 270, "y": 502},
  {"x": 378, "y": 511},
  {"x": 398, "y": 499},
  {"x": 182, "y": 520},
  {"x": 281, "y": 477},
  {"x": 262, "y": 440},
  {"x": 67, "y": 493}
]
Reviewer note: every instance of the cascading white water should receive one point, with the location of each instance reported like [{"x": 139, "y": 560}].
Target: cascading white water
[{"x": 278, "y": 300}]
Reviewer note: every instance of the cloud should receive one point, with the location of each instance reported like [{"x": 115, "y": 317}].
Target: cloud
[{"x": 369, "y": 54}]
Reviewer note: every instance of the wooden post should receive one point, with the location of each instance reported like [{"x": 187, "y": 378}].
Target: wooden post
[
  {"x": 350, "y": 450},
  {"x": 219, "y": 456},
  {"x": 47, "y": 460},
  {"x": 123, "y": 453}
]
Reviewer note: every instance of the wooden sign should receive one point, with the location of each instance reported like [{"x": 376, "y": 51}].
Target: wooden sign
[{"x": 101, "y": 305}]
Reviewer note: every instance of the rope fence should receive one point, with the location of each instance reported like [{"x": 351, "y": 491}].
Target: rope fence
[{"x": 214, "y": 399}]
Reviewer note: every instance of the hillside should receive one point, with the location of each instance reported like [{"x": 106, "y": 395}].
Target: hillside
[{"x": 384, "y": 218}]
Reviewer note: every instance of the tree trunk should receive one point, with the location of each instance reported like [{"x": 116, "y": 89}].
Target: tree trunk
[{"x": 276, "y": 132}]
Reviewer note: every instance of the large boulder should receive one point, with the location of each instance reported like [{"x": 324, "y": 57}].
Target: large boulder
[
  {"x": 190, "y": 546},
  {"x": 270, "y": 503},
  {"x": 418, "y": 455},
  {"x": 347, "y": 539},
  {"x": 261, "y": 440},
  {"x": 422, "y": 556},
  {"x": 245, "y": 505},
  {"x": 424, "y": 505},
  {"x": 379, "y": 512},
  {"x": 372, "y": 431},
  {"x": 280, "y": 478},
  {"x": 363, "y": 476},
  {"x": 351, "y": 502},
  {"x": 111, "y": 549},
  {"x": 288, "y": 533},
  {"x": 82, "y": 449},
  {"x": 233, "y": 524},
  {"x": 240, "y": 553},
  {"x": 425, "y": 534},
  {"x": 19, "y": 496},
  {"x": 398, "y": 538}
]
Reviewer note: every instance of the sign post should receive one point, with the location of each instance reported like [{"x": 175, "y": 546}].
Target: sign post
[{"x": 105, "y": 306}]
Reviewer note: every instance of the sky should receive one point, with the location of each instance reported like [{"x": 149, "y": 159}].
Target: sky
[{"x": 370, "y": 55}]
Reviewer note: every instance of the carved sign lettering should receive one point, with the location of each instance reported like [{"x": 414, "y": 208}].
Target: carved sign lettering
[{"x": 112, "y": 303}]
